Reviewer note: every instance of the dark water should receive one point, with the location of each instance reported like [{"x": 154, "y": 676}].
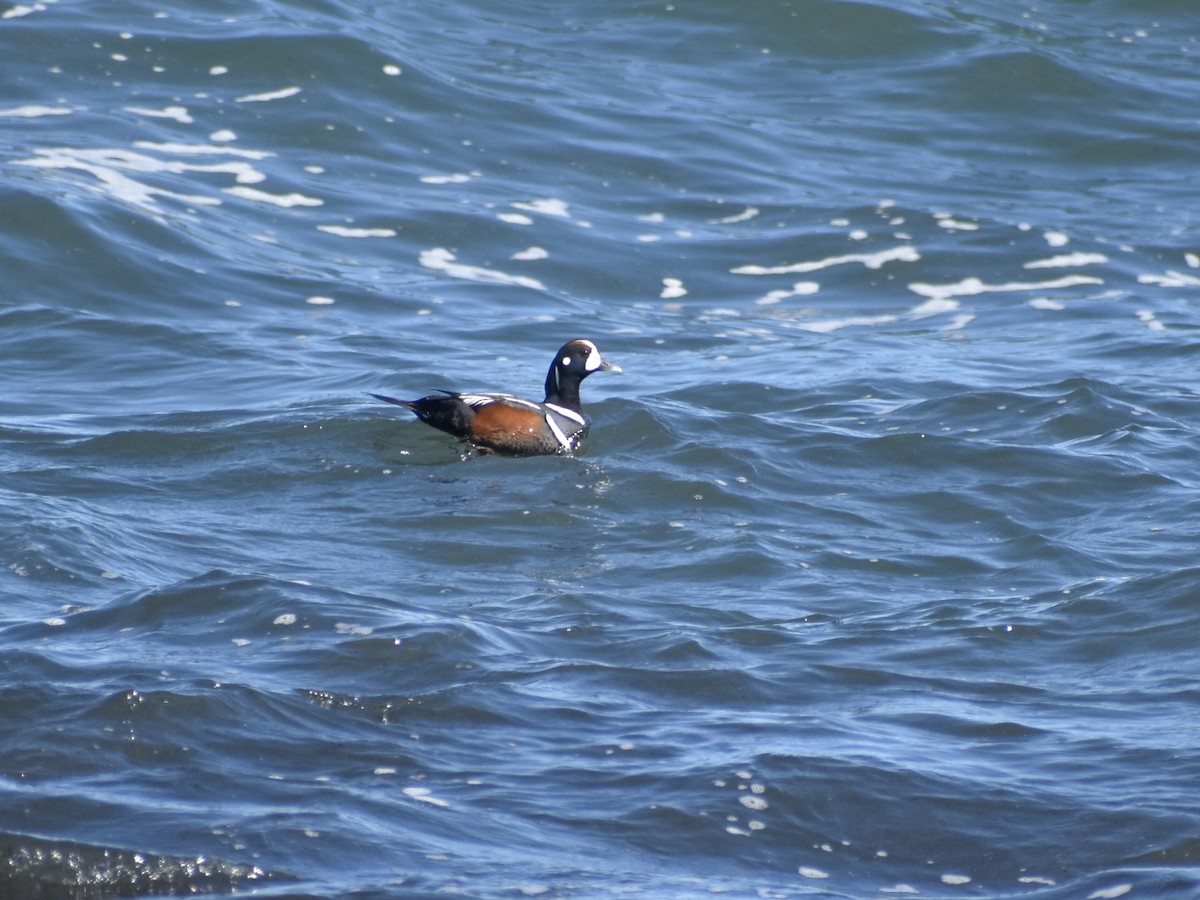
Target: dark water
[{"x": 878, "y": 575}]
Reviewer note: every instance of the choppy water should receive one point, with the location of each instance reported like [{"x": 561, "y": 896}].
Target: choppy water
[{"x": 878, "y": 575}]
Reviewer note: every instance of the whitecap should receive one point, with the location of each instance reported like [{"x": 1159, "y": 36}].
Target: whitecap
[
  {"x": 933, "y": 307},
  {"x": 1170, "y": 278},
  {"x": 906, "y": 253},
  {"x": 108, "y": 166},
  {"x": 33, "y": 111},
  {"x": 744, "y": 216},
  {"x": 826, "y": 326},
  {"x": 267, "y": 96},
  {"x": 548, "y": 207},
  {"x": 284, "y": 200},
  {"x": 1150, "y": 320},
  {"x": 177, "y": 113},
  {"x": 945, "y": 220},
  {"x": 425, "y": 796},
  {"x": 1067, "y": 259},
  {"x": 456, "y": 178},
  {"x": 343, "y": 231},
  {"x": 799, "y": 289},
  {"x": 672, "y": 288},
  {"x": 1117, "y": 890},
  {"x": 971, "y": 286},
  {"x": 441, "y": 259},
  {"x": 202, "y": 149}
]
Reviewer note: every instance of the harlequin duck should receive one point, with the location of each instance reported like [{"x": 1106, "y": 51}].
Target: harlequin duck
[{"x": 503, "y": 423}]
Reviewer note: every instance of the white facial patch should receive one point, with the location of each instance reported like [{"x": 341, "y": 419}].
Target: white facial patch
[{"x": 594, "y": 360}]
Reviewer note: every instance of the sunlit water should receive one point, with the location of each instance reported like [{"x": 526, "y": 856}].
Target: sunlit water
[{"x": 876, "y": 577}]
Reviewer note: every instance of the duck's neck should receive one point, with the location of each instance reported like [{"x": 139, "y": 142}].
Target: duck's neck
[{"x": 562, "y": 389}]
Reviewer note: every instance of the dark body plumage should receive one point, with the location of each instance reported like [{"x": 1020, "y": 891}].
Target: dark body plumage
[{"x": 514, "y": 426}]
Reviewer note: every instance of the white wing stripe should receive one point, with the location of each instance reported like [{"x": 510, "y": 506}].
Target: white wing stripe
[{"x": 485, "y": 399}]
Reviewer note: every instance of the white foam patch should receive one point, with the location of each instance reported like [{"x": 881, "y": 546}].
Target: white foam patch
[
  {"x": 177, "y": 113},
  {"x": 799, "y": 289},
  {"x": 1046, "y": 303},
  {"x": 1170, "y": 278},
  {"x": 972, "y": 286},
  {"x": 672, "y": 289},
  {"x": 1056, "y": 239},
  {"x": 1117, "y": 890},
  {"x": 934, "y": 307},
  {"x": 530, "y": 253},
  {"x": 343, "y": 231},
  {"x": 267, "y": 96},
  {"x": 514, "y": 218},
  {"x": 829, "y": 325},
  {"x": 905, "y": 253},
  {"x": 425, "y": 796},
  {"x": 956, "y": 879},
  {"x": 744, "y": 216},
  {"x": 1067, "y": 259},
  {"x": 442, "y": 260},
  {"x": 33, "y": 111},
  {"x": 21, "y": 9},
  {"x": 811, "y": 872},
  {"x": 1150, "y": 320},
  {"x": 284, "y": 200},
  {"x": 108, "y": 167},
  {"x": 548, "y": 207},
  {"x": 320, "y": 301},
  {"x": 947, "y": 221},
  {"x": 201, "y": 149},
  {"x": 456, "y": 178}
]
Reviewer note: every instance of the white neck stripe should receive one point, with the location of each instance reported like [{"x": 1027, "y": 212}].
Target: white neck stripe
[
  {"x": 558, "y": 433},
  {"x": 565, "y": 413}
]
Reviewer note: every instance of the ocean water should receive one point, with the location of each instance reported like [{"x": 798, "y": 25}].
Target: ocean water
[{"x": 877, "y": 576}]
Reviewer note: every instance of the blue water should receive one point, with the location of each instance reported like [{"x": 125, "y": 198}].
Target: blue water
[{"x": 877, "y": 576}]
